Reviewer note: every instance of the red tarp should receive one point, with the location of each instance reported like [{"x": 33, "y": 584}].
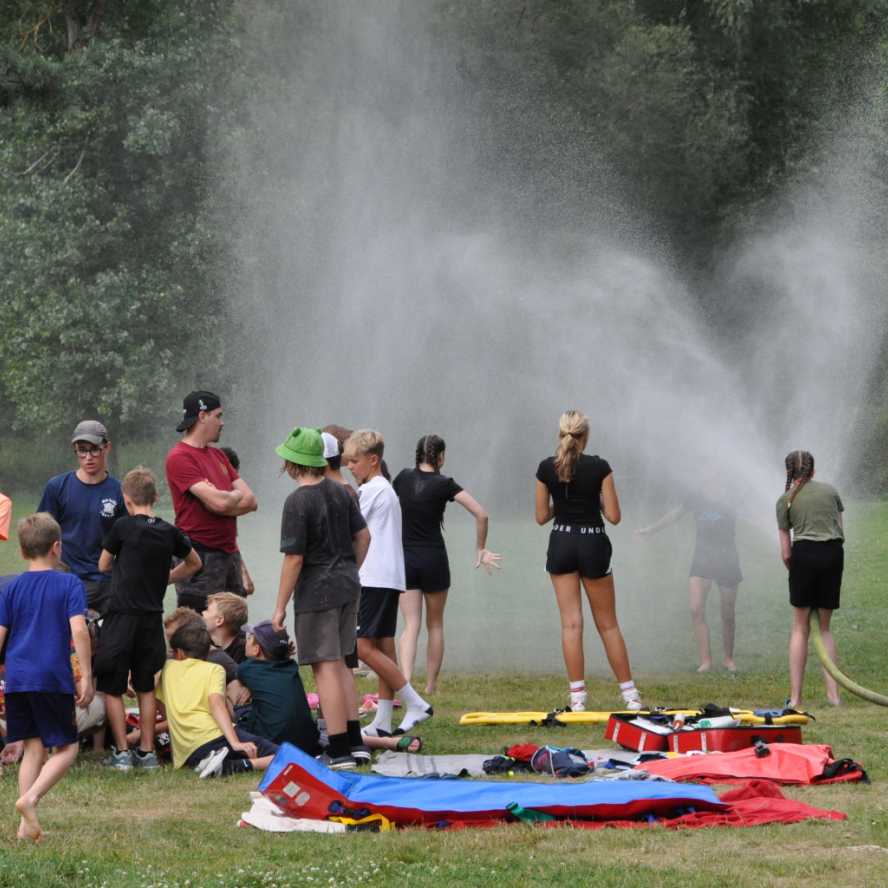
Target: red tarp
[
  {"x": 753, "y": 803},
  {"x": 790, "y": 763}
]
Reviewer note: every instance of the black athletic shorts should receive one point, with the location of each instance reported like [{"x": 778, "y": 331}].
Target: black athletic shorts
[
  {"x": 815, "y": 573},
  {"x": 131, "y": 643},
  {"x": 579, "y": 548},
  {"x": 427, "y": 568},
  {"x": 378, "y": 612},
  {"x": 264, "y": 747},
  {"x": 50, "y": 717},
  {"x": 98, "y": 594},
  {"x": 721, "y": 565}
]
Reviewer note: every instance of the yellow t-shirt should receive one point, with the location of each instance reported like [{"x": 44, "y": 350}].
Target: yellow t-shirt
[{"x": 184, "y": 689}]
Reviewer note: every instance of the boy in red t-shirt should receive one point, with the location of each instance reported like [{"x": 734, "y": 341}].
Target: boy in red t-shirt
[{"x": 208, "y": 496}]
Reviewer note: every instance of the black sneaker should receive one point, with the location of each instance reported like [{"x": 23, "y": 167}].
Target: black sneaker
[
  {"x": 361, "y": 754},
  {"x": 340, "y": 763}
]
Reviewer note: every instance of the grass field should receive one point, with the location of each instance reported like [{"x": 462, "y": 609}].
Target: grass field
[{"x": 172, "y": 830}]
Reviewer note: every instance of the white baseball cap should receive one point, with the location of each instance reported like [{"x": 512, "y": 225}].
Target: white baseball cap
[{"x": 331, "y": 445}]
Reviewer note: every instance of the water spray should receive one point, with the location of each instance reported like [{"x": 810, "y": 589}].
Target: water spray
[{"x": 835, "y": 672}]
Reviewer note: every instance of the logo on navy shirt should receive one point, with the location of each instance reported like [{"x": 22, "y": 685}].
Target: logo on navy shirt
[{"x": 108, "y": 508}]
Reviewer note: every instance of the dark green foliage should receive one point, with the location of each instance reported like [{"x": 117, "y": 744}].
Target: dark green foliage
[
  {"x": 110, "y": 262},
  {"x": 120, "y": 122}
]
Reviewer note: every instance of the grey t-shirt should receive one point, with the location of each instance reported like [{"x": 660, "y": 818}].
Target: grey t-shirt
[
  {"x": 318, "y": 523},
  {"x": 814, "y": 514}
]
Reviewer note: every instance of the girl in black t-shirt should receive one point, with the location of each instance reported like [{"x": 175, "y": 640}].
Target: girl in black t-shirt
[
  {"x": 715, "y": 561},
  {"x": 576, "y": 490},
  {"x": 424, "y": 493}
]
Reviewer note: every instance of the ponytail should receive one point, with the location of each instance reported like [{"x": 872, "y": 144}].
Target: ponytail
[
  {"x": 799, "y": 469},
  {"x": 573, "y": 430}
]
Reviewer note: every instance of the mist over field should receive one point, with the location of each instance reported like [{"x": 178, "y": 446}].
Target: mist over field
[{"x": 431, "y": 270}]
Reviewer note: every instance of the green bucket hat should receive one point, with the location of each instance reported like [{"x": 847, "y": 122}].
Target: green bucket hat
[{"x": 305, "y": 447}]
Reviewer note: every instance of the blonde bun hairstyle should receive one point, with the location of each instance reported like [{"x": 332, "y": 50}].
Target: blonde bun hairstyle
[{"x": 573, "y": 432}]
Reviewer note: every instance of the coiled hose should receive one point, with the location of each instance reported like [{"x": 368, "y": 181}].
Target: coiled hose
[{"x": 835, "y": 672}]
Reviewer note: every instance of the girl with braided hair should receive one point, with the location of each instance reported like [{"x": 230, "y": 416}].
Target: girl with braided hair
[
  {"x": 809, "y": 518},
  {"x": 424, "y": 493},
  {"x": 576, "y": 490}
]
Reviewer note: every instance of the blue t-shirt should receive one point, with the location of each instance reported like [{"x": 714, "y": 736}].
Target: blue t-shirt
[
  {"x": 36, "y": 608},
  {"x": 86, "y": 513}
]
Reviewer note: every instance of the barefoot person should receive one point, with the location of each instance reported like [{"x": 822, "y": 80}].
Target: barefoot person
[
  {"x": 575, "y": 490},
  {"x": 809, "y": 519},
  {"x": 424, "y": 493},
  {"x": 41, "y": 612},
  {"x": 715, "y": 561}
]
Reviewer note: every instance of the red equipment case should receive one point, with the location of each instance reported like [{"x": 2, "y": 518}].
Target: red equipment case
[
  {"x": 636, "y": 737},
  {"x": 731, "y": 739}
]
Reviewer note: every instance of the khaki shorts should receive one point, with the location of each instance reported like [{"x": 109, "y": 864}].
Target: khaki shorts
[
  {"x": 322, "y": 636},
  {"x": 91, "y": 717}
]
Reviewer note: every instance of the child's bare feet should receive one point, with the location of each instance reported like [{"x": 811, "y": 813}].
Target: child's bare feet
[
  {"x": 704, "y": 667},
  {"x": 730, "y": 665},
  {"x": 29, "y": 828},
  {"x": 834, "y": 701}
]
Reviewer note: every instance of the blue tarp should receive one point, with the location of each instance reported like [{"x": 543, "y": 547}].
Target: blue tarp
[{"x": 475, "y": 796}]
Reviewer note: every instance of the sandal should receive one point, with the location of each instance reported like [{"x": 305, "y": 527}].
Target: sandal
[{"x": 406, "y": 743}]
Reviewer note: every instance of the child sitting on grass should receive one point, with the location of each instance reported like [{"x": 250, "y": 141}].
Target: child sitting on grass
[
  {"x": 138, "y": 550},
  {"x": 40, "y": 612},
  {"x": 279, "y": 710},
  {"x": 193, "y": 694},
  {"x": 225, "y": 617}
]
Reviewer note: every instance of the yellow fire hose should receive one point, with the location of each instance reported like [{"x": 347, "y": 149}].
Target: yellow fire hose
[{"x": 835, "y": 672}]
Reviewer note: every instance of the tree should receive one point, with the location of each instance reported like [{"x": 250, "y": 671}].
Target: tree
[{"x": 112, "y": 262}]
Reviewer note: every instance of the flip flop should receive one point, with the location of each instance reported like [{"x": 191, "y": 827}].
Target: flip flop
[{"x": 405, "y": 741}]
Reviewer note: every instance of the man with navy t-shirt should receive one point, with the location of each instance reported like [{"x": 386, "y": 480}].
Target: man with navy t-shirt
[{"x": 86, "y": 502}]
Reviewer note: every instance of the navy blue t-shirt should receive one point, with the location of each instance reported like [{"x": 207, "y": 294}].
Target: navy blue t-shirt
[
  {"x": 36, "y": 608},
  {"x": 86, "y": 513}
]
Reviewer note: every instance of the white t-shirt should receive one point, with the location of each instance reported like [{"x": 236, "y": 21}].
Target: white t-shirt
[{"x": 383, "y": 567}]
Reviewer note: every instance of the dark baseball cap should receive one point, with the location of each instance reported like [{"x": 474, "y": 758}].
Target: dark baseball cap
[
  {"x": 275, "y": 644},
  {"x": 195, "y": 403},
  {"x": 90, "y": 430}
]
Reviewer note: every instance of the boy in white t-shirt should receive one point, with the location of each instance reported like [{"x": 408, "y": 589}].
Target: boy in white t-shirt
[{"x": 382, "y": 582}]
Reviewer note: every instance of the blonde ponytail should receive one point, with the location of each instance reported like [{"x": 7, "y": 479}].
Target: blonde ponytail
[{"x": 573, "y": 430}]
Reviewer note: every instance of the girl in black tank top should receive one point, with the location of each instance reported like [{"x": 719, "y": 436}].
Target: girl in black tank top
[{"x": 577, "y": 490}]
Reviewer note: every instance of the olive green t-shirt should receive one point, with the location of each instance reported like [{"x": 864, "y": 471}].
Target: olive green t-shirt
[{"x": 814, "y": 514}]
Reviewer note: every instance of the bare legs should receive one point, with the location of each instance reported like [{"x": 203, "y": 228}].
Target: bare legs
[
  {"x": 728, "y": 609},
  {"x": 798, "y": 654},
  {"x": 435, "y": 604},
  {"x": 411, "y": 609},
  {"x": 410, "y": 603},
  {"x": 698, "y": 589},
  {"x": 601, "y": 599},
  {"x": 37, "y": 775},
  {"x": 336, "y": 688}
]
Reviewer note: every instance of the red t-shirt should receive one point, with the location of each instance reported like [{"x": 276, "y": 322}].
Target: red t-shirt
[{"x": 186, "y": 466}]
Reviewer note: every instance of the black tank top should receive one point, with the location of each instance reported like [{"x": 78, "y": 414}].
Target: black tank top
[{"x": 579, "y": 500}]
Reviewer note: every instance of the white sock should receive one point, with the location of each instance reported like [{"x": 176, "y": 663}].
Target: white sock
[
  {"x": 410, "y": 698},
  {"x": 627, "y": 687},
  {"x": 382, "y": 721},
  {"x": 578, "y": 685}
]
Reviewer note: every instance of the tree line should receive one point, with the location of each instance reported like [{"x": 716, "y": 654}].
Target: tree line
[{"x": 118, "y": 122}]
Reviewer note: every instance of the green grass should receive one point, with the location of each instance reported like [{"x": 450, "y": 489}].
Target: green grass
[{"x": 172, "y": 830}]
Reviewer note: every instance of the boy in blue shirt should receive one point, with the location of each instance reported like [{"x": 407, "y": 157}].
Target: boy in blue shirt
[{"x": 41, "y": 611}]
